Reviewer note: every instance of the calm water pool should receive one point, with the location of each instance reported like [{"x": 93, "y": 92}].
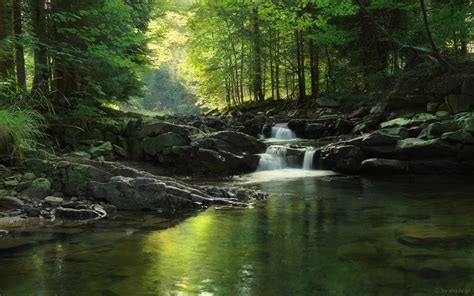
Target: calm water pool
[{"x": 317, "y": 235}]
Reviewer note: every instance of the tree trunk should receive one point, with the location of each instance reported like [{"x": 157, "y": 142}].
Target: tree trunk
[
  {"x": 19, "y": 51},
  {"x": 434, "y": 49},
  {"x": 314, "y": 65},
  {"x": 40, "y": 80},
  {"x": 257, "y": 81},
  {"x": 300, "y": 62},
  {"x": 6, "y": 53}
]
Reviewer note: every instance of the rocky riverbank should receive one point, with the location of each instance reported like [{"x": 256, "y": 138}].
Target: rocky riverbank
[{"x": 76, "y": 188}]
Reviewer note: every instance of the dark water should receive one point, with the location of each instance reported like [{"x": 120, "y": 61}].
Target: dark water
[{"x": 315, "y": 236}]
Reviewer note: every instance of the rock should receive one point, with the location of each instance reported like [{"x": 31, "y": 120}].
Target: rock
[
  {"x": 397, "y": 122},
  {"x": 101, "y": 149},
  {"x": 211, "y": 162},
  {"x": 163, "y": 143},
  {"x": 111, "y": 210},
  {"x": 459, "y": 103},
  {"x": 400, "y": 132},
  {"x": 342, "y": 158},
  {"x": 468, "y": 87},
  {"x": 423, "y": 118},
  {"x": 78, "y": 154},
  {"x": 240, "y": 142},
  {"x": 81, "y": 214},
  {"x": 298, "y": 126},
  {"x": 11, "y": 182},
  {"x": 54, "y": 201},
  {"x": 460, "y": 136},
  {"x": 137, "y": 194},
  {"x": 398, "y": 102},
  {"x": 327, "y": 102},
  {"x": 157, "y": 128},
  {"x": 414, "y": 147},
  {"x": 28, "y": 177},
  {"x": 33, "y": 212},
  {"x": 343, "y": 126},
  {"x": 8, "y": 202},
  {"x": 436, "y": 129},
  {"x": 435, "y": 166},
  {"x": 376, "y": 165},
  {"x": 443, "y": 115},
  {"x": 77, "y": 175},
  {"x": 39, "y": 188},
  {"x": 314, "y": 130},
  {"x": 379, "y": 138},
  {"x": 121, "y": 151},
  {"x": 432, "y": 107}
]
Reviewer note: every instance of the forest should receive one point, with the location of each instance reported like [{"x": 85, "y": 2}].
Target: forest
[{"x": 236, "y": 147}]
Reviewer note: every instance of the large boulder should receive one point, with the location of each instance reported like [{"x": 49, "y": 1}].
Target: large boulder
[
  {"x": 38, "y": 188},
  {"x": 80, "y": 214},
  {"x": 163, "y": 143},
  {"x": 100, "y": 148},
  {"x": 459, "y": 103},
  {"x": 468, "y": 87},
  {"x": 377, "y": 165},
  {"x": 298, "y": 126},
  {"x": 238, "y": 142},
  {"x": 418, "y": 148},
  {"x": 398, "y": 102},
  {"x": 314, "y": 130},
  {"x": 157, "y": 128},
  {"x": 149, "y": 193},
  {"x": 380, "y": 138},
  {"x": 436, "y": 129},
  {"x": 460, "y": 136},
  {"x": 9, "y": 202},
  {"x": 341, "y": 157},
  {"x": 222, "y": 163}
]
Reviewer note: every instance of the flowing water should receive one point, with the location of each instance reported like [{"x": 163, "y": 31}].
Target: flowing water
[
  {"x": 318, "y": 234},
  {"x": 281, "y": 132}
]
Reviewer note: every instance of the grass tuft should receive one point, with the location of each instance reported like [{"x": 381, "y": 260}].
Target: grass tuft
[{"x": 19, "y": 129}]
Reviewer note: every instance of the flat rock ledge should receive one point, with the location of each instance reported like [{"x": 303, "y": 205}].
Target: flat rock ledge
[{"x": 127, "y": 188}]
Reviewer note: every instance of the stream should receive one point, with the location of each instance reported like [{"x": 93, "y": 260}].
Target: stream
[{"x": 318, "y": 234}]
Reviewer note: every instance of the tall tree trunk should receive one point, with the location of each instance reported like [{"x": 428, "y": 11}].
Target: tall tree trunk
[
  {"x": 300, "y": 62},
  {"x": 6, "y": 52},
  {"x": 19, "y": 51},
  {"x": 40, "y": 80},
  {"x": 277, "y": 67},
  {"x": 434, "y": 48},
  {"x": 257, "y": 81},
  {"x": 314, "y": 68}
]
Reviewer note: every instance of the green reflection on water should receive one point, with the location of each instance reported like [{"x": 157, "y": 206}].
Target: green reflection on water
[{"x": 315, "y": 236}]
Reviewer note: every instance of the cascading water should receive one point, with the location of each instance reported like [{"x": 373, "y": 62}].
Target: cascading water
[
  {"x": 308, "y": 159},
  {"x": 277, "y": 158},
  {"x": 280, "y": 157},
  {"x": 280, "y": 131}
]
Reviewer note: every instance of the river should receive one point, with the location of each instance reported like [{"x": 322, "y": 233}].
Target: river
[{"x": 316, "y": 235}]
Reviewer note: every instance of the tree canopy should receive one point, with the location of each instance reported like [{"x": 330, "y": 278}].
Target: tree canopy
[{"x": 168, "y": 55}]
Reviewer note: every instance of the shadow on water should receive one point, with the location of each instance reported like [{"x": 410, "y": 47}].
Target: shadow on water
[{"x": 324, "y": 235}]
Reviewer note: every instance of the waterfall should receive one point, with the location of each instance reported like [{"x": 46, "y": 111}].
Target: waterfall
[
  {"x": 281, "y": 132},
  {"x": 277, "y": 158},
  {"x": 308, "y": 159}
]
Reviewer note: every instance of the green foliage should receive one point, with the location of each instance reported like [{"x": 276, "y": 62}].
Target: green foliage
[{"x": 19, "y": 129}]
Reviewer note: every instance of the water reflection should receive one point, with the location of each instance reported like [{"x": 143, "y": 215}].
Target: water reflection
[{"x": 315, "y": 236}]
